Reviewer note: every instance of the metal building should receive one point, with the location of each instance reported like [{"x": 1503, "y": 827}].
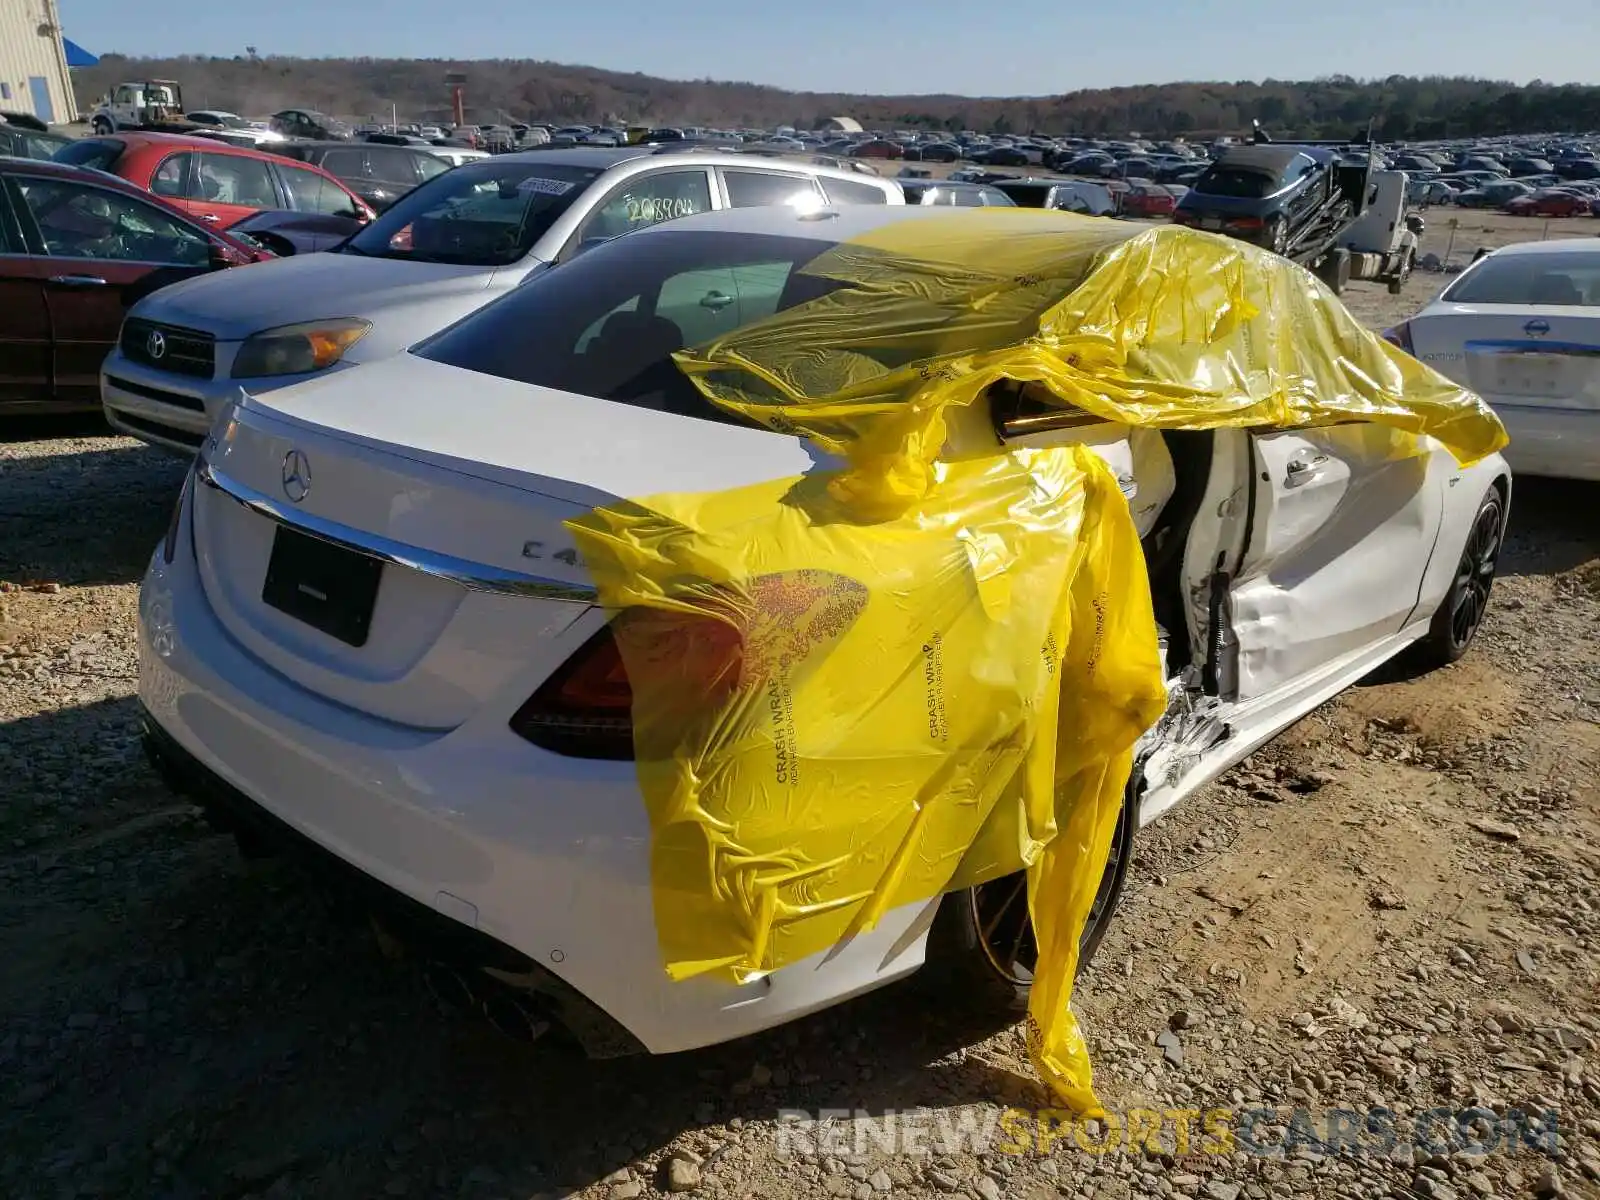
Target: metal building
[{"x": 33, "y": 61}]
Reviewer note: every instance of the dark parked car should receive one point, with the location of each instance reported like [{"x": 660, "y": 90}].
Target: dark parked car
[
  {"x": 20, "y": 141},
  {"x": 77, "y": 248},
  {"x": 1011, "y": 156},
  {"x": 946, "y": 152},
  {"x": 1067, "y": 195},
  {"x": 1578, "y": 168},
  {"x": 308, "y": 123},
  {"x": 877, "y": 148},
  {"x": 942, "y": 192},
  {"x": 379, "y": 174},
  {"x": 1273, "y": 195}
]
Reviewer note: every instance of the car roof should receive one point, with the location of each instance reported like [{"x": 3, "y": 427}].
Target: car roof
[
  {"x": 43, "y": 166},
  {"x": 1263, "y": 158},
  {"x": 146, "y": 138},
  {"x": 603, "y": 158},
  {"x": 847, "y": 221},
  {"x": 1554, "y": 246}
]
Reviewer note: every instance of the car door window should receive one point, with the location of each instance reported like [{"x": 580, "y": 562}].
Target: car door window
[
  {"x": 390, "y": 165},
  {"x": 311, "y": 192},
  {"x": 346, "y": 164},
  {"x": 702, "y": 304},
  {"x": 762, "y": 189},
  {"x": 648, "y": 200},
  {"x": 77, "y": 220},
  {"x": 236, "y": 179},
  {"x": 848, "y": 191},
  {"x": 429, "y": 165},
  {"x": 172, "y": 178}
]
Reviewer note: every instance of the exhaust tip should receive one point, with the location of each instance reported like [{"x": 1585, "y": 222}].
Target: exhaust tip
[
  {"x": 514, "y": 1015},
  {"x": 448, "y": 987}
]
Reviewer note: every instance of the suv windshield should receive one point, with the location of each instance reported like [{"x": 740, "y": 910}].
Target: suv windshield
[
  {"x": 1236, "y": 182},
  {"x": 1562, "y": 279},
  {"x": 486, "y": 214},
  {"x": 607, "y": 323}
]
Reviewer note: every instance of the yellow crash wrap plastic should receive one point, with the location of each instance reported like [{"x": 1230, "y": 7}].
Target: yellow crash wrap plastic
[{"x": 863, "y": 688}]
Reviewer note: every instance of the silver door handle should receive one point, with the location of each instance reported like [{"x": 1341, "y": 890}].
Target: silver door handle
[
  {"x": 78, "y": 280},
  {"x": 716, "y": 301},
  {"x": 1302, "y": 470},
  {"x": 210, "y": 218}
]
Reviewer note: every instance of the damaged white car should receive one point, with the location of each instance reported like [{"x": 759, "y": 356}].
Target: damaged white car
[{"x": 368, "y": 636}]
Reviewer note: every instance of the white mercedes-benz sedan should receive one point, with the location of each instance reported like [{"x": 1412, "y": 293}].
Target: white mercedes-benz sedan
[
  {"x": 1521, "y": 327},
  {"x": 368, "y": 634}
]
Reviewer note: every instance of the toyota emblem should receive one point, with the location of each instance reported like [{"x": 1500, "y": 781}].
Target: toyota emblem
[
  {"x": 156, "y": 345},
  {"x": 296, "y": 476},
  {"x": 1537, "y": 327}
]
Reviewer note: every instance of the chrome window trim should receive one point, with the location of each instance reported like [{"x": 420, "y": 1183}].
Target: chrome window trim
[{"x": 475, "y": 577}]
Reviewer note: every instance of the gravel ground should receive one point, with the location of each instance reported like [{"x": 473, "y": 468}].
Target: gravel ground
[{"x": 1394, "y": 905}]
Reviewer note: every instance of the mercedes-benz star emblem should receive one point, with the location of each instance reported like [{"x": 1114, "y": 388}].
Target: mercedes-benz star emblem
[
  {"x": 296, "y": 476},
  {"x": 156, "y": 345}
]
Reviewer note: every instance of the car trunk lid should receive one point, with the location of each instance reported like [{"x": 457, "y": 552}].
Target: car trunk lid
[
  {"x": 1515, "y": 355},
  {"x": 393, "y": 538}
]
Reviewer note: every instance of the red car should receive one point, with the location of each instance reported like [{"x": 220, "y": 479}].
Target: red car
[
  {"x": 77, "y": 249},
  {"x": 1148, "y": 200},
  {"x": 218, "y": 183},
  {"x": 877, "y": 148},
  {"x": 1550, "y": 202}
]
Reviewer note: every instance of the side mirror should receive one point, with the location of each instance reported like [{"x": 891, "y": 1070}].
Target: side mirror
[{"x": 218, "y": 259}]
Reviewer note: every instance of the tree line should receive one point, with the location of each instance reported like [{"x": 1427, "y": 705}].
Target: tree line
[{"x": 1398, "y": 107}]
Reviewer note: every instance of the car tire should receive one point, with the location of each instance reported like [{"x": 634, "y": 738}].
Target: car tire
[
  {"x": 1398, "y": 283},
  {"x": 1277, "y": 233},
  {"x": 1334, "y": 270},
  {"x": 1460, "y": 614},
  {"x": 995, "y": 969},
  {"x": 102, "y": 127}
]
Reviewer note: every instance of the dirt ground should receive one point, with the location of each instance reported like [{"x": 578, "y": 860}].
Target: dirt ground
[{"x": 1392, "y": 907}]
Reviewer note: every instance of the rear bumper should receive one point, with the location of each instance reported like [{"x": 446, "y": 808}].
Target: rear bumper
[
  {"x": 1555, "y": 443},
  {"x": 491, "y": 845},
  {"x": 428, "y": 933}
]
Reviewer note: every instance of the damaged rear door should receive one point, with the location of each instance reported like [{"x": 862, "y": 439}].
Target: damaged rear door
[{"x": 1342, "y": 527}]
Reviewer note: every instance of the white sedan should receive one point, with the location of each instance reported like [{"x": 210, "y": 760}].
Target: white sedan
[
  {"x": 368, "y": 634},
  {"x": 1521, "y": 327}
]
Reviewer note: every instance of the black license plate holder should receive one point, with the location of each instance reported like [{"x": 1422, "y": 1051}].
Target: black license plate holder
[{"x": 327, "y": 586}]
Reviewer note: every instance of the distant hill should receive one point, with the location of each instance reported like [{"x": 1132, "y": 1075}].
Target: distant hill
[{"x": 1401, "y": 106}]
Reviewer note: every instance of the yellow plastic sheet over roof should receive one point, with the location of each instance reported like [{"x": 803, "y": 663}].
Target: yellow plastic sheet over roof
[{"x": 858, "y": 690}]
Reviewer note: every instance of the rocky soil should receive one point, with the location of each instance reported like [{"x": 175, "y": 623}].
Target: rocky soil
[{"x": 1395, "y": 906}]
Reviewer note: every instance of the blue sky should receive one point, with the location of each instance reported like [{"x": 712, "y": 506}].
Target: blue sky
[{"x": 1018, "y": 47}]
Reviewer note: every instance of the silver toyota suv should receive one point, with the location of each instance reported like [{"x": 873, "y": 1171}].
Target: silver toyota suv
[{"x": 444, "y": 249}]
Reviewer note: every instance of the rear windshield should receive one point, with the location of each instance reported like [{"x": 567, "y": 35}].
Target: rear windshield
[
  {"x": 487, "y": 214},
  {"x": 1556, "y": 279},
  {"x": 607, "y": 323},
  {"x": 98, "y": 153},
  {"x": 1236, "y": 182}
]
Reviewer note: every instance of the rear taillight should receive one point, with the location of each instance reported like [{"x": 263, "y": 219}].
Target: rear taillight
[
  {"x": 585, "y": 709},
  {"x": 1400, "y": 336},
  {"x": 169, "y": 544}
]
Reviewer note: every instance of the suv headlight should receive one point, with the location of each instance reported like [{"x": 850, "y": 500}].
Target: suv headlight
[{"x": 298, "y": 349}]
